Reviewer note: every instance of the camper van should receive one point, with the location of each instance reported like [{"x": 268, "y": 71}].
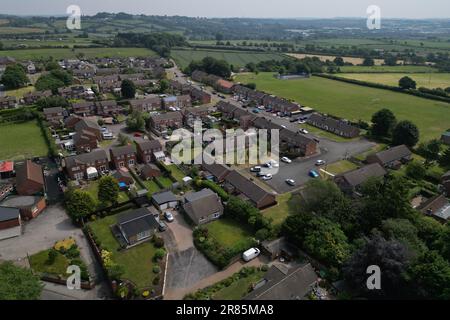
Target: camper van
[{"x": 250, "y": 254}]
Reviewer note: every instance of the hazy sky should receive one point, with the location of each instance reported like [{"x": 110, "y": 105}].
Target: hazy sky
[{"x": 237, "y": 8}]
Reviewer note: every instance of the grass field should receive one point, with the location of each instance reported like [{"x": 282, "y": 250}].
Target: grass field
[
  {"x": 236, "y": 58},
  {"x": 33, "y": 54},
  {"x": 286, "y": 205},
  {"x": 355, "y": 61},
  {"x": 137, "y": 261},
  {"x": 339, "y": 167},
  {"x": 230, "y": 234},
  {"x": 427, "y": 80},
  {"x": 356, "y": 102},
  {"x": 151, "y": 186},
  {"x": 388, "y": 69},
  {"x": 21, "y": 141}
]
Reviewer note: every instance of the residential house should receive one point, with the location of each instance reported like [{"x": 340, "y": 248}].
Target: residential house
[
  {"x": 150, "y": 171},
  {"x": 240, "y": 185},
  {"x": 108, "y": 108},
  {"x": 103, "y": 72},
  {"x": 215, "y": 171},
  {"x": 6, "y": 169},
  {"x": 445, "y": 181},
  {"x": 180, "y": 88},
  {"x": 7, "y": 102},
  {"x": 296, "y": 142},
  {"x": 54, "y": 115},
  {"x": 10, "y": 223},
  {"x": 199, "y": 76},
  {"x": 279, "y": 248},
  {"x": 445, "y": 138},
  {"x": 200, "y": 96},
  {"x": 241, "y": 92},
  {"x": 164, "y": 200},
  {"x": 137, "y": 225},
  {"x": 146, "y": 150},
  {"x": 164, "y": 121},
  {"x": 124, "y": 156},
  {"x": 123, "y": 176},
  {"x": 34, "y": 96},
  {"x": 350, "y": 182},
  {"x": 73, "y": 92},
  {"x": 132, "y": 77},
  {"x": 285, "y": 283},
  {"x": 192, "y": 114},
  {"x": 337, "y": 126},
  {"x": 29, "y": 179},
  {"x": 391, "y": 158},
  {"x": 203, "y": 206},
  {"x": 29, "y": 206},
  {"x": 77, "y": 166},
  {"x": 85, "y": 73},
  {"x": 224, "y": 86},
  {"x": 149, "y": 103},
  {"x": 84, "y": 108},
  {"x": 437, "y": 207},
  {"x": 227, "y": 109},
  {"x": 177, "y": 102}
]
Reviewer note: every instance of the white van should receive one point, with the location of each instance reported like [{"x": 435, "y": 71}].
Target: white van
[{"x": 250, "y": 254}]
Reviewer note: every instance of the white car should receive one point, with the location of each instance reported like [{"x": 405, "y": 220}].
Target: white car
[
  {"x": 301, "y": 121},
  {"x": 290, "y": 182},
  {"x": 320, "y": 162},
  {"x": 283, "y": 126},
  {"x": 286, "y": 160},
  {"x": 267, "y": 177},
  {"x": 250, "y": 254},
  {"x": 304, "y": 131},
  {"x": 169, "y": 216}
]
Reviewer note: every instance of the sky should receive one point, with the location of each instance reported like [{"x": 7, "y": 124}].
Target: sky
[{"x": 412, "y": 9}]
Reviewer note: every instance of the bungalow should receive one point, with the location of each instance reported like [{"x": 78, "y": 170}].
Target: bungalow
[
  {"x": 149, "y": 103},
  {"x": 146, "y": 150},
  {"x": 124, "y": 156},
  {"x": 437, "y": 207},
  {"x": 84, "y": 108},
  {"x": 54, "y": 115},
  {"x": 285, "y": 283},
  {"x": 29, "y": 179},
  {"x": 10, "y": 223},
  {"x": 445, "y": 138},
  {"x": 33, "y": 97},
  {"x": 150, "y": 171},
  {"x": 215, "y": 171},
  {"x": 7, "y": 102},
  {"x": 445, "y": 181},
  {"x": 77, "y": 166},
  {"x": 164, "y": 200},
  {"x": 392, "y": 157},
  {"x": 164, "y": 121},
  {"x": 137, "y": 225},
  {"x": 337, "y": 126},
  {"x": 350, "y": 182},
  {"x": 108, "y": 108},
  {"x": 239, "y": 185},
  {"x": 203, "y": 206}
]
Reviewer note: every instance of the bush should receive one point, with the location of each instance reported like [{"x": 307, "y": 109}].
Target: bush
[
  {"x": 52, "y": 254},
  {"x": 156, "y": 280},
  {"x": 262, "y": 234},
  {"x": 158, "y": 242},
  {"x": 156, "y": 269},
  {"x": 159, "y": 254}
]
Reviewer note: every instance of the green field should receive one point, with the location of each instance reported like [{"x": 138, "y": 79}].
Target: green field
[
  {"x": 430, "y": 80},
  {"x": 388, "y": 69},
  {"x": 21, "y": 141},
  {"x": 33, "y": 54},
  {"x": 137, "y": 261},
  {"x": 356, "y": 102},
  {"x": 236, "y": 58}
]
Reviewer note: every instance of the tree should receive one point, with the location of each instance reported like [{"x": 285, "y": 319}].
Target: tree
[
  {"x": 405, "y": 132},
  {"x": 416, "y": 170},
  {"x": 123, "y": 139},
  {"x": 136, "y": 121},
  {"x": 430, "y": 150},
  {"x": 444, "y": 160},
  {"x": 390, "y": 60},
  {"x": 128, "y": 89},
  {"x": 108, "y": 190},
  {"x": 392, "y": 258},
  {"x": 383, "y": 123},
  {"x": 163, "y": 86},
  {"x": 431, "y": 276},
  {"x": 17, "y": 283},
  {"x": 14, "y": 77},
  {"x": 368, "y": 62},
  {"x": 57, "y": 78},
  {"x": 79, "y": 204},
  {"x": 339, "y": 61},
  {"x": 407, "y": 83},
  {"x": 404, "y": 231}
]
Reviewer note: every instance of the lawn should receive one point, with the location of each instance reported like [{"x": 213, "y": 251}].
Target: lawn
[
  {"x": 151, "y": 186},
  {"x": 238, "y": 289},
  {"x": 33, "y": 54},
  {"x": 340, "y": 167},
  {"x": 165, "y": 181},
  {"x": 230, "y": 234},
  {"x": 92, "y": 189},
  {"x": 325, "y": 134},
  {"x": 286, "y": 204},
  {"x": 236, "y": 58},
  {"x": 356, "y": 102},
  {"x": 39, "y": 263},
  {"x": 379, "y": 147},
  {"x": 137, "y": 261},
  {"x": 176, "y": 172},
  {"x": 427, "y": 80},
  {"x": 21, "y": 140}
]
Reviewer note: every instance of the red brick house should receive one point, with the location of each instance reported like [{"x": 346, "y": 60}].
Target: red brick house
[
  {"x": 146, "y": 150},
  {"x": 149, "y": 103},
  {"x": 84, "y": 108},
  {"x": 10, "y": 223},
  {"x": 123, "y": 156},
  {"x": 29, "y": 179},
  {"x": 33, "y": 97},
  {"x": 174, "y": 102},
  {"x": 54, "y": 115},
  {"x": 76, "y": 166},
  {"x": 164, "y": 121},
  {"x": 224, "y": 86},
  {"x": 108, "y": 108},
  {"x": 200, "y": 96}
]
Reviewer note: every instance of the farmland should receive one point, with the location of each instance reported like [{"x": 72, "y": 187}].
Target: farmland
[
  {"x": 21, "y": 140},
  {"x": 355, "y": 61},
  {"x": 388, "y": 69},
  {"x": 56, "y": 53},
  {"x": 236, "y": 58},
  {"x": 430, "y": 80},
  {"x": 355, "y": 102}
]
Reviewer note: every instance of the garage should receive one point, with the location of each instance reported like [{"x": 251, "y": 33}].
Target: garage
[
  {"x": 164, "y": 200},
  {"x": 10, "y": 223}
]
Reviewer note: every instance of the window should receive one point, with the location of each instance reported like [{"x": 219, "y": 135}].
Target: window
[
  {"x": 131, "y": 162},
  {"x": 121, "y": 164}
]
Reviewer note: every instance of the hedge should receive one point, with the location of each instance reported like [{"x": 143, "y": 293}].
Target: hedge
[{"x": 214, "y": 187}]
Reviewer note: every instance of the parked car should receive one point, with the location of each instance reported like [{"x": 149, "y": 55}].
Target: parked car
[
  {"x": 260, "y": 174},
  {"x": 267, "y": 177},
  {"x": 320, "y": 162},
  {"x": 250, "y": 254},
  {"x": 301, "y": 121},
  {"x": 255, "y": 110},
  {"x": 274, "y": 164},
  {"x": 290, "y": 182},
  {"x": 283, "y": 126},
  {"x": 169, "y": 216},
  {"x": 267, "y": 165},
  {"x": 316, "y": 140},
  {"x": 162, "y": 226},
  {"x": 304, "y": 131},
  {"x": 286, "y": 160},
  {"x": 255, "y": 169},
  {"x": 313, "y": 174},
  {"x": 138, "y": 134}
]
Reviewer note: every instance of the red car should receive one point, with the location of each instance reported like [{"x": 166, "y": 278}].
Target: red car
[{"x": 137, "y": 134}]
